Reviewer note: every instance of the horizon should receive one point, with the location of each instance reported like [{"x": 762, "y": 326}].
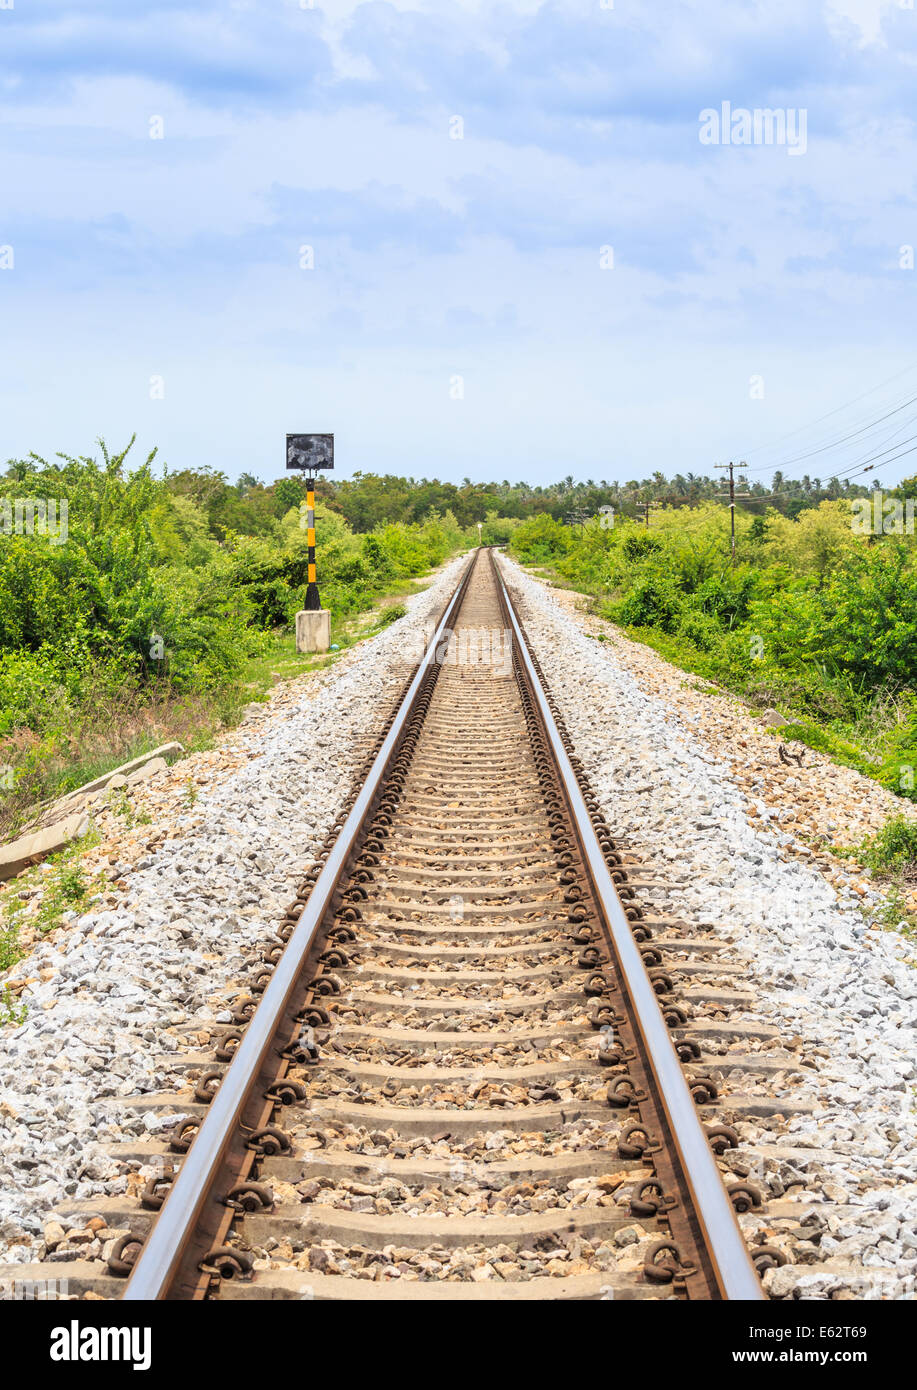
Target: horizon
[{"x": 808, "y": 481}]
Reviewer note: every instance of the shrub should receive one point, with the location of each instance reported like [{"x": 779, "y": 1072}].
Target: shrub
[
  {"x": 894, "y": 848},
  {"x": 638, "y": 544},
  {"x": 540, "y": 539},
  {"x": 652, "y": 602},
  {"x": 699, "y": 628}
]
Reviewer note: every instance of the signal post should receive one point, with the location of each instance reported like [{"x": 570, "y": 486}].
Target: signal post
[{"x": 311, "y": 452}]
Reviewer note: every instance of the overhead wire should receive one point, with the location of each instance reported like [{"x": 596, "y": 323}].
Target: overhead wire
[{"x": 828, "y": 415}]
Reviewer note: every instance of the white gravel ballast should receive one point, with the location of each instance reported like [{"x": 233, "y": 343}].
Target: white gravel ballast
[
  {"x": 841, "y": 990},
  {"x": 115, "y": 990},
  {"x": 117, "y": 995}
]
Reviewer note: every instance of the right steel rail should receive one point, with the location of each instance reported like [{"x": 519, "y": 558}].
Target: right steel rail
[{"x": 723, "y": 1242}]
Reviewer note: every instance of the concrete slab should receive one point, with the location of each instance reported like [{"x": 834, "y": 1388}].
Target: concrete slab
[
  {"x": 313, "y": 630},
  {"x": 31, "y": 849}
]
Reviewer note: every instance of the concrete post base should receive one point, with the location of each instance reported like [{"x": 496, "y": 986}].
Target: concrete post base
[{"x": 313, "y": 630}]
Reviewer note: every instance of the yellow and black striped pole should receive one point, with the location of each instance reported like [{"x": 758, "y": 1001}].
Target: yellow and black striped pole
[{"x": 313, "y": 604}]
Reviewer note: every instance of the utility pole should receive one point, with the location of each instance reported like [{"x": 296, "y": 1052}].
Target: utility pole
[
  {"x": 643, "y": 507},
  {"x": 732, "y": 504},
  {"x": 577, "y": 516}
]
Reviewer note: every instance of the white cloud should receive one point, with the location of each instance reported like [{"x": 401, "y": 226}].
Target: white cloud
[
  {"x": 435, "y": 256},
  {"x": 866, "y": 16}
]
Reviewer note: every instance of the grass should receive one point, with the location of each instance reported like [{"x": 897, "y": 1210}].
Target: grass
[
  {"x": 114, "y": 727},
  {"x": 874, "y": 735},
  {"x": 12, "y": 1010},
  {"x": 891, "y": 859},
  {"x": 541, "y": 570},
  {"x": 893, "y": 850},
  {"x": 895, "y": 915},
  {"x": 120, "y": 804},
  {"x": 64, "y": 888},
  {"x": 281, "y": 661},
  {"x": 825, "y": 740},
  {"x": 111, "y": 729},
  {"x": 9, "y": 945}
]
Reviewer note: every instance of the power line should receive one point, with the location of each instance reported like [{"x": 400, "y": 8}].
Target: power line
[
  {"x": 834, "y": 443},
  {"x": 828, "y": 414},
  {"x": 904, "y": 454},
  {"x": 857, "y": 472}
]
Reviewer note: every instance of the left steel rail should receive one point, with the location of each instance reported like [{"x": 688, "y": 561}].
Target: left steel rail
[{"x": 159, "y": 1265}]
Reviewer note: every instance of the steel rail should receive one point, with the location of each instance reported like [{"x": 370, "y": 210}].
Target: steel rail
[
  {"x": 732, "y": 1265},
  {"x": 160, "y": 1257}
]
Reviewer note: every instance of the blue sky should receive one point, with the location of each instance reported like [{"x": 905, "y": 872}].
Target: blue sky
[{"x": 457, "y": 319}]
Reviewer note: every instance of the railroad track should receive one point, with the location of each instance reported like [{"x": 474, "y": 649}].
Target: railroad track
[{"x": 462, "y": 1068}]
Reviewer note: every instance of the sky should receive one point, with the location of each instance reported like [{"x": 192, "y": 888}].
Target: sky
[{"x": 491, "y": 240}]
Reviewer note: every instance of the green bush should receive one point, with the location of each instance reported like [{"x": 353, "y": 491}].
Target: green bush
[
  {"x": 652, "y": 602},
  {"x": 156, "y": 586},
  {"x": 638, "y": 544},
  {"x": 814, "y": 619},
  {"x": 699, "y": 628},
  {"x": 540, "y": 539},
  {"x": 726, "y": 596},
  {"x": 894, "y": 848}
]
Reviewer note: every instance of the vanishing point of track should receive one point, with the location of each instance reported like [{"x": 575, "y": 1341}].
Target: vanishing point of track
[{"x": 463, "y": 1026}]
